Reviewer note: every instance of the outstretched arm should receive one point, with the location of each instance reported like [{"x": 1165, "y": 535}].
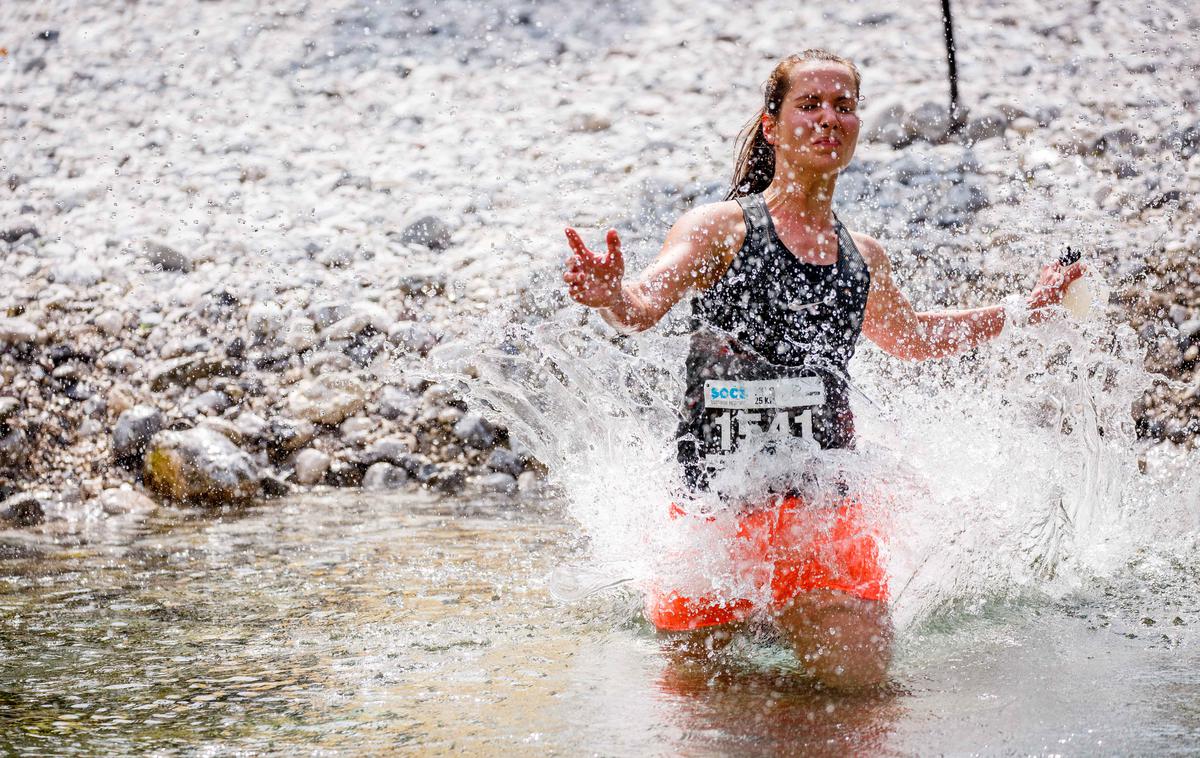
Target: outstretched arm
[
  {"x": 694, "y": 254},
  {"x": 892, "y": 323}
]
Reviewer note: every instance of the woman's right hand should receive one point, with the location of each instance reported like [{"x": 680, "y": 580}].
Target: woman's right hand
[{"x": 594, "y": 280}]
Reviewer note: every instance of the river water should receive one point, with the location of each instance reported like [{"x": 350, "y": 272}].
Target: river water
[{"x": 345, "y": 624}]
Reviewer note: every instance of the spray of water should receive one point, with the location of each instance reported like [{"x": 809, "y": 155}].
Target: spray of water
[{"x": 1011, "y": 472}]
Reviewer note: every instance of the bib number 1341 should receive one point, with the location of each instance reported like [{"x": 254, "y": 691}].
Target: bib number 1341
[{"x": 740, "y": 425}]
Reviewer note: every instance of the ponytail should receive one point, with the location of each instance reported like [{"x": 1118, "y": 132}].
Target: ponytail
[{"x": 755, "y": 166}]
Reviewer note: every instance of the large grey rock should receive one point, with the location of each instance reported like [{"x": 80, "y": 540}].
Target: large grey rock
[
  {"x": 166, "y": 258},
  {"x": 504, "y": 461},
  {"x": 285, "y": 435},
  {"x": 110, "y": 323},
  {"x": 472, "y": 430},
  {"x": 23, "y": 510},
  {"x": 265, "y": 321},
  {"x": 1189, "y": 330},
  {"x": 885, "y": 122},
  {"x": 412, "y": 336},
  {"x": 389, "y": 449},
  {"x": 395, "y": 401},
  {"x": 930, "y": 121},
  {"x": 251, "y": 426},
  {"x": 125, "y": 500},
  {"x": 14, "y": 447},
  {"x": 384, "y": 476},
  {"x": 187, "y": 370},
  {"x": 310, "y": 466},
  {"x": 300, "y": 334},
  {"x": 121, "y": 361},
  {"x": 211, "y": 403},
  {"x": 328, "y": 399},
  {"x": 199, "y": 465},
  {"x": 134, "y": 429},
  {"x": 8, "y": 408},
  {"x": 430, "y": 231},
  {"x": 986, "y": 125},
  {"x": 15, "y": 233}
]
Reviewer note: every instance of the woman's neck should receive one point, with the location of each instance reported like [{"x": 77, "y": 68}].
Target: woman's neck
[{"x": 808, "y": 199}]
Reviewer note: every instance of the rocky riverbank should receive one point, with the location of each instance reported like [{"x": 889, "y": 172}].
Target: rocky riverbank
[{"x": 229, "y": 233}]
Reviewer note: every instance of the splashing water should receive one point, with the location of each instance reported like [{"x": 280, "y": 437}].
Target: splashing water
[{"x": 1011, "y": 472}]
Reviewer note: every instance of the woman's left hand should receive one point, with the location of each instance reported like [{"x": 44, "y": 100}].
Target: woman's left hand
[{"x": 1052, "y": 284}]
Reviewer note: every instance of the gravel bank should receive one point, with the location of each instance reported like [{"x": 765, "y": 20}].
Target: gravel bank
[{"x": 255, "y": 219}]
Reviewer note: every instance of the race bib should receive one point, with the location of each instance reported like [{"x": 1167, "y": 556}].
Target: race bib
[{"x": 741, "y": 409}]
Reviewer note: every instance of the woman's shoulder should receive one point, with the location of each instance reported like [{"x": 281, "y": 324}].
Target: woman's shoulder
[
  {"x": 722, "y": 211},
  {"x": 871, "y": 250},
  {"x": 715, "y": 221}
]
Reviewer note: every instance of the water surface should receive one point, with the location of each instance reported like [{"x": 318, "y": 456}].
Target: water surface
[{"x": 345, "y": 624}]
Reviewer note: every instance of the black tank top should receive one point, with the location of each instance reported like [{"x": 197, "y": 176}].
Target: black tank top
[{"x": 769, "y": 347}]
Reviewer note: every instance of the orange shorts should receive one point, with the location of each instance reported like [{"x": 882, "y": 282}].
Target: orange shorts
[{"x": 775, "y": 553}]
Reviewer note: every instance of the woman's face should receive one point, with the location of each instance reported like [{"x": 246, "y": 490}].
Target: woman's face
[{"x": 817, "y": 126}]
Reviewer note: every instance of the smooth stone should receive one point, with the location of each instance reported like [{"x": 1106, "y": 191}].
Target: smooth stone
[
  {"x": 14, "y": 448},
  {"x": 1024, "y": 126},
  {"x": 328, "y": 312},
  {"x": 384, "y": 476},
  {"x": 412, "y": 336},
  {"x": 120, "y": 361},
  {"x": 355, "y": 428},
  {"x": 265, "y": 320},
  {"x": 223, "y": 427},
  {"x": 389, "y": 449},
  {"x": 8, "y": 408},
  {"x": 187, "y": 370},
  {"x": 589, "y": 122},
  {"x": 166, "y": 258},
  {"x": 301, "y": 334},
  {"x": 429, "y": 231},
  {"x": 15, "y": 233},
  {"x": 286, "y": 435},
  {"x": 251, "y": 425},
  {"x": 110, "y": 323},
  {"x": 273, "y": 485},
  {"x": 199, "y": 465},
  {"x": 328, "y": 399},
  {"x": 23, "y": 510},
  {"x": 310, "y": 466},
  {"x": 886, "y": 123},
  {"x": 985, "y": 126},
  {"x": 930, "y": 121},
  {"x": 529, "y": 482},
  {"x": 474, "y": 431},
  {"x": 449, "y": 478},
  {"x": 125, "y": 500},
  {"x": 395, "y": 401},
  {"x": 17, "y": 331},
  {"x": 449, "y": 416},
  {"x": 504, "y": 461},
  {"x": 133, "y": 431},
  {"x": 1188, "y": 330},
  {"x": 211, "y": 403},
  {"x": 505, "y": 484}
]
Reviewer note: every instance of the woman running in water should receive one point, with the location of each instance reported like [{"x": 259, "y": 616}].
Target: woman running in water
[{"x": 782, "y": 292}]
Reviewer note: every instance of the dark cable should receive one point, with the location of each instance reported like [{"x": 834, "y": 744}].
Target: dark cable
[{"x": 956, "y": 120}]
